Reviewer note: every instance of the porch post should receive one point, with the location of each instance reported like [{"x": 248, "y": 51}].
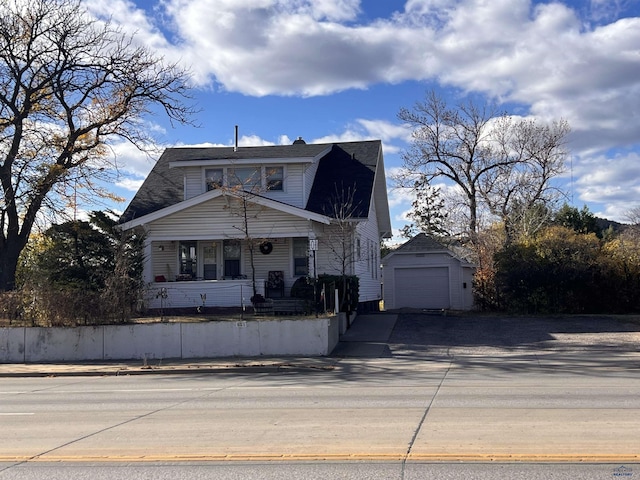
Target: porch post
[
  {"x": 147, "y": 268},
  {"x": 313, "y": 246}
]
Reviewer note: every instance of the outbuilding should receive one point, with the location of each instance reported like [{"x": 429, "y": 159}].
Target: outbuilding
[{"x": 423, "y": 273}]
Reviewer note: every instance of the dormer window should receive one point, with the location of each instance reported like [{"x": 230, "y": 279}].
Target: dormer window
[
  {"x": 215, "y": 177},
  {"x": 275, "y": 178},
  {"x": 247, "y": 178},
  {"x": 252, "y": 178}
]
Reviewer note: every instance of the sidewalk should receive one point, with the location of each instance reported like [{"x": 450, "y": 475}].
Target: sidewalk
[
  {"x": 166, "y": 367},
  {"x": 367, "y": 337}
]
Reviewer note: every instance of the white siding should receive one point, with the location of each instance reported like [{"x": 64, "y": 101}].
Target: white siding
[
  {"x": 194, "y": 182},
  {"x": 459, "y": 278},
  {"x": 218, "y": 219},
  {"x": 278, "y": 260},
  {"x": 367, "y": 267},
  {"x": 308, "y": 175},
  {"x": 164, "y": 260},
  {"x": 329, "y": 238},
  {"x": 292, "y": 193},
  {"x": 293, "y": 187}
]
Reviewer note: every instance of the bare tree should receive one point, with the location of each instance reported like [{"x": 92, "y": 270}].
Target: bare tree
[
  {"x": 498, "y": 164},
  {"x": 450, "y": 143},
  {"x": 343, "y": 227},
  {"x": 633, "y": 216},
  {"x": 243, "y": 186},
  {"x": 68, "y": 85},
  {"x": 240, "y": 205},
  {"x": 341, "y": 241},
  {"x": 519, "y": 192}
]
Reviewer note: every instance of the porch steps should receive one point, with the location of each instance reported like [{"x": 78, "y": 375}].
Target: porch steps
[{"x": 281, "y": 306}]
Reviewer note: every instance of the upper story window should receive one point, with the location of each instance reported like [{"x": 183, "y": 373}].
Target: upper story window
[
  {"x": 214, "y": 178},
  {"x": 248, "y": 178},
  {"x": 274, "y": 177}
]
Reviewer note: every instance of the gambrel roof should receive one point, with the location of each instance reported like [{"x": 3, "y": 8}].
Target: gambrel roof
[
  {"x": 354, "y": 166},
  {"x": 343, "y": 177}
]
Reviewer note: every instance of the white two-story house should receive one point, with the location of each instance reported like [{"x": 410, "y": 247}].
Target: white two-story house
[{"x": 221, "y": 222}]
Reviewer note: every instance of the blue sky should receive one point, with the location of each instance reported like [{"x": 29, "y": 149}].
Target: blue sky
[{"x": 330, "y": 70}]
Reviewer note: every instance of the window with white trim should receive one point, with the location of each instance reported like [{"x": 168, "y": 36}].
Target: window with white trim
[
  {"x": 252, "y": 178},
  {"x": 248, "y": 178},
  {"x": 231, "y": 250},
  {"x": 214, "y": 178},
  {"x": 274, "y": 178},
  {"x": 188, "y": 259},
  {"x": 209, "y": 262}
]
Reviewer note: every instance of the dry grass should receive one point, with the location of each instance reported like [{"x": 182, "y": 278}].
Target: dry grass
[{"x": 189, "y": 315}]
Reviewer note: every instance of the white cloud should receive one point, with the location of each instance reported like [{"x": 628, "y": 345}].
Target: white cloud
[
  {"x": 133, "y": 162},
  {"x": 612, "y": 182},
  {"x": 578, "y": 61},
  {"x": 133, "y": 21},
  {"x": 363, "y": 129},
  {"x": 130, "y": 184},
  {"x": 546, "y": 55}
]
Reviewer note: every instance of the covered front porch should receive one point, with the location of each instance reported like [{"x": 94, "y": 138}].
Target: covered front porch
[
  {"x": 222, "y": 272},
  {"x": 200, "y": 294}
]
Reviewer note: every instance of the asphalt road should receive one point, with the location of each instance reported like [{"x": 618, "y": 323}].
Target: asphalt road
[
  {"x": 319, "y": 471},
  {"x": 440, "y": 397}
]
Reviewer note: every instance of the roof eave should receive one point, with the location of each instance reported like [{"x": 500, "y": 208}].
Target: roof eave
[
  {"x": 175, "y": 208},
  {"x": 237, "y": 161}
]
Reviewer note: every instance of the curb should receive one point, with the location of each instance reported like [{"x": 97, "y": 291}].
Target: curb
[{"x": 39, "y": 371}]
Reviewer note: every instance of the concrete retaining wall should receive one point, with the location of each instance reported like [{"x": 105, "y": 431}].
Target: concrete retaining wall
[{"x": 246, "y": 338}]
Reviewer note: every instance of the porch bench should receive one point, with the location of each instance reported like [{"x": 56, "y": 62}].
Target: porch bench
[{"x": 288, "y": 306}]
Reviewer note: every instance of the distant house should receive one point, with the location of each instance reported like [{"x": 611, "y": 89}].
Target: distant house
[
  {"x": 423, "y": 273},
  {"x": 207, "y": 211}
]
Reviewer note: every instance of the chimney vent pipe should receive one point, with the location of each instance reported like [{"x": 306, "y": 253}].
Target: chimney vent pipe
[{"x": 235, "y": 145}]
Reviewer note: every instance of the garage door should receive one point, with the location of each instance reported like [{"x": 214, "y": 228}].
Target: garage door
[{"x": 422, "y": 287}]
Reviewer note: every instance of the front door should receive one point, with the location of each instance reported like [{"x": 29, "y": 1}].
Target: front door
[{"x": 231, "y": 251}]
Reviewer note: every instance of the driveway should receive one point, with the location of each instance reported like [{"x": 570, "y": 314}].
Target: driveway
[{"x": 431, "y": 335}]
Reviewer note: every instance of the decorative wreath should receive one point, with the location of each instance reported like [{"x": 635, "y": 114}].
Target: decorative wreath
[{"x": 266, "y": 248}]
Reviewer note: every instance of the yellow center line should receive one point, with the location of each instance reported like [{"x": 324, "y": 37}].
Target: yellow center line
[{"x": 307, "y": 457}]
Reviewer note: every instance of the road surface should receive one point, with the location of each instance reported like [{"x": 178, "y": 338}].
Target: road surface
[{"x": 553, "y": 404}]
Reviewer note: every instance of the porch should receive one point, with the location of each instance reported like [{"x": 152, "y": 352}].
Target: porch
[
  {"x": 218, "y": 273},
  {"x": 202, "y": 293}
]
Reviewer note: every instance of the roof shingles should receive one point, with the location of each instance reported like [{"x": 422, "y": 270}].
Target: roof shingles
[{"x": 348, "y": 166}]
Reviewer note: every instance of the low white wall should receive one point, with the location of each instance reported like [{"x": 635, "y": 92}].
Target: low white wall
[
  {"x": 249, "y": 338},
  {"x": 63, "y": 344},
  {"x": 12, "y": 343},
  {"x": 154, "y": 340}
]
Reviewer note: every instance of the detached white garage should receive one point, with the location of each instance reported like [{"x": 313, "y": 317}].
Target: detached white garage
[{"x": 423, "y": 273}]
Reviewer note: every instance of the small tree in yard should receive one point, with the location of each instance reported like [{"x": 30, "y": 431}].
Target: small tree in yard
[
  {"x": 428, "y": 215},
  {"x": 340, "y": 242},
  {"x": 244, "y": 188},
  {"x": 241, "y": 206},
  {"x": 68, "y": 86}
]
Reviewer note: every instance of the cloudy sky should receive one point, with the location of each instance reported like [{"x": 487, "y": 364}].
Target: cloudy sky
[{"x": 330, "y": 70}]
